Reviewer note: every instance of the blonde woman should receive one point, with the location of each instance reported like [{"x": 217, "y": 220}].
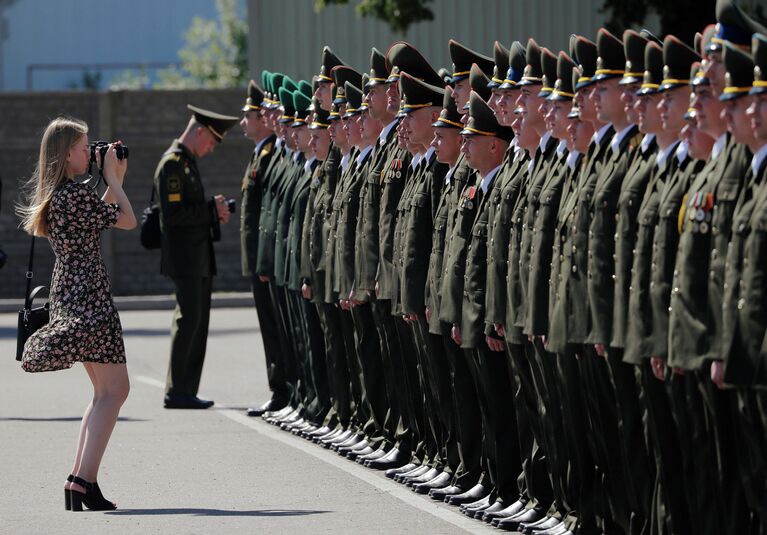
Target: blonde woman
[{"x": 84, "y": 325}]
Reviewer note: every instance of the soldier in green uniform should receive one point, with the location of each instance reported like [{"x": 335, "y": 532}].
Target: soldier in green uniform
[{"x": 187, "y": 219}]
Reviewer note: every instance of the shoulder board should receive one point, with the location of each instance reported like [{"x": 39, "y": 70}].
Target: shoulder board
[
  {"x": 636, "y": 140},
  {"x": 267, "y": 148}
]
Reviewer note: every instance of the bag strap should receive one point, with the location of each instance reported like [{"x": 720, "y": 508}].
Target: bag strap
[
  {"x": 151, "y": 198},
  {"x": 30, "y": 273}
]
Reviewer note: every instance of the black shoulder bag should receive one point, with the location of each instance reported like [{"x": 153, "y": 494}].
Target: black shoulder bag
[
  {"x": 151, "y": 237},
  {"x": 30, "y": 319}
]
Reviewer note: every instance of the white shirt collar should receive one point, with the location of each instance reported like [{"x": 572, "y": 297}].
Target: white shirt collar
[
  {"x": 718, "y": 146},
  {"x": 572, "y": 159},
  {"x": 660, "y": 161},
  {"x": 415, "y": 160},
  {"x": 646, "y": 142},
  {"x": 544, "y": 141},
  {"x": 309, "y": 162},
  {"x": 561, "y": 148},
  {"x": 345, "y": 161},
  {"x": 279, "y": 143},
  {"x": 758, "y": 159},
  {"x": 488, "y": 179},
  {"x": 296, "y": 155},
  {"x": 618, "y": 138},
  {"x": 385, "y": 132},
  {"x": 599, "y": 134},
  {"x": 260, "y": 144},
  {"x": 429, "y": 153},
  {"x": 682, "y": 151},
  {"x": 363, "y": 154},
  {"x": 449, "y": 174}
]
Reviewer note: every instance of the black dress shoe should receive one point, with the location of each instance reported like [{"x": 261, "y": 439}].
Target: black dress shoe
[
  {"x": 559, "y": 529},
  {"x": 475, "y": 493},
  {"x": 542, "y": 524},
  {"x": 439, "y": 482},
  {"x": 441, "y": 494},
  {"x": 272, "y": 405},
  {"x": 186, "y": 401},
  {"x": 391, "y": 473},
  {"x": 510, "y": 510},
  {"x": 526, "y": 517}
]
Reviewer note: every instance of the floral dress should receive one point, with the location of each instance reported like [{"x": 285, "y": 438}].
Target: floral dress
[{"x": 84, "y": 325}]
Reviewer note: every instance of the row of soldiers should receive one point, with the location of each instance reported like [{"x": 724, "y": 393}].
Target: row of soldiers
[{"x": 532, "y": 287}]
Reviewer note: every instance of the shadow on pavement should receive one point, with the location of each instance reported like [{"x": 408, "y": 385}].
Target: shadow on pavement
[
  {"x": 62, "y": 419},
  {"x": 214, "y": 512}
]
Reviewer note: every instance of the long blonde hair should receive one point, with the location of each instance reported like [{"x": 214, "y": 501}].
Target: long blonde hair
[{"x": 60, "y": 136}]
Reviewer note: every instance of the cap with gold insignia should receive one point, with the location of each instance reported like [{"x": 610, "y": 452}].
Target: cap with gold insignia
[
  {"x": 301, "y": 104},
  {"x": 266, "y": 83},
  {"x": 563, "y": 88},
  {"x": 329, "y": 60},
  {"x": 255, "y": 97},
  {"x": 335, "y": 111},
  {"x": 482, "y": 121},
  {"x": 404, "y": 57},
  {"x": 739, "y": 76},
  {"x": 653, "y": 69},
  {"x": 342, "y": 74},
  {"x": 532, "y": 75},
  {"x": 417, "y": 94},
  {"x": 501, "y": 60},
  {"x": 633, "y": 47},
  {"x": 586, "y": 57},
  {"x": 216, "y": 123},
  {"x": 447, "y": 78},
  {"x": 733, "y": 26},
  {"x": 365, "y": 91},
  {"x": 275, "y": 82},
  {"x": 549, "y": 70},
  {"x": 694, "y": 70},
  {"x": 353, "y": 100},
  {"x": 289, "y": 84},
  {"x": 517, "y": 62},
  {"x": 759, "y": 55},
  {"x": 306, "y": 88},
  {"x": 478, "y": 83},
  {"x": 378, "y": 71},
  {"x": 677, "y": 59},
  {"x": 611, "y": 59},
  {"x": 321, "y": 118},
  {"x": 464, "y": 57},
  {"x": 286, "y": 105},
  {"x": 449, "y": 117}
]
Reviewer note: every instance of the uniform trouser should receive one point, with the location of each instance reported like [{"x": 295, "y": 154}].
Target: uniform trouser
[
  {"x": 533, "y": 482},
  {"x": 396, "y": 424},
  {"x": 668, "y": 509},
  {"x": 750, "y": 418},
  {"x": 414, "y": 416},
  {"x": 580, "y": 472},
  {"x": 543, "y": 366},
  {"x": 371, "y": 373},
  {"x": 603, "y": 438},
  {"x": 360, "y": 408},
  {"x": 273, "y": 351},
  {"x": 188, "y": 334},
  {"x": 337, "y": 367},
  {"x": 304, "y": 393},
  {"x": 499, "y": 423},
  {"x": 639, "y": 474},
  {"x": 286, "y": 340},
  {"x": 465, "y": 407},
  {"x": 317, "y": 362}
]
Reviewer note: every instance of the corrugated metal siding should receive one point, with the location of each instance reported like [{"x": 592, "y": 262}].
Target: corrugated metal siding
[{"x": 288, "y": 36}]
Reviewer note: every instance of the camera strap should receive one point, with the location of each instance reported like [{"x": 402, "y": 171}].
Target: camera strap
[{"x": 29, "y": 274}]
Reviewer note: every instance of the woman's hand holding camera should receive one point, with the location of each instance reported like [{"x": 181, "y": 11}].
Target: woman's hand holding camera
[
  {"x": 222, "y": 208},
  {"x": 114, "y": 168}
]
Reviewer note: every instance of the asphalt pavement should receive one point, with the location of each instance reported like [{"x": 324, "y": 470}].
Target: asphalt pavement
[{"x": 189, "y": 472}]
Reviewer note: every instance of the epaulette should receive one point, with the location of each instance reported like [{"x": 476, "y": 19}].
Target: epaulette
[
  {"x": 267, "y": 148},
  {"x": 636, "y": 140}
]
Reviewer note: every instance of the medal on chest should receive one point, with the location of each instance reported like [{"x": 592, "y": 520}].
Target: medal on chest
[{"x": 468, "y": 198}]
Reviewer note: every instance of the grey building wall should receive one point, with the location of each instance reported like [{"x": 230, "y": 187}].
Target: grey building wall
[{"x": 288, "y": 35}]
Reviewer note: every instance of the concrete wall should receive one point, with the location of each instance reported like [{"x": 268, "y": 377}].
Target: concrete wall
[{"x": 147, "y": 121}]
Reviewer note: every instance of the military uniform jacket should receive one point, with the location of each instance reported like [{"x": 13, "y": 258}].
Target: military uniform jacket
[
  {"x": 394, "y": 178},
  {"x": 250, "y": 205},
  {"x": 450, "y": 193},
  {"x": 600, "y": 280},
  {"x": 281, "y": 207},
  {"x": 745, "y": 296},
  {"x": 298, "y": 213},
  {"x": 630, "y": 199},
  {"x": 569, "y": 320},
  {"x": 275, "y": 171},
  {"x": 456, "y": 245},
  {"x": 314, "y": 234},
  {"x": 475, "y": 277},
  {"x": 367, "y": 236},
  {"x": 331, "y": 226},
  {"x": 185, "y": 217},
  {"x": 541, "y": 246},
  {"x": 696, "y": 297},
  {"x": 347, "y": 205},
  {"x": 502, "y": 199},
  {"x": 638, "y": 342},
  {"x": 403, "y": 206},
  {"x": 417, "y": 241}
]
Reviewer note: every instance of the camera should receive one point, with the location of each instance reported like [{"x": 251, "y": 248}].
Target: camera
[
  {"x": 231, "y": 205},
  {"x": 121, "y": 151}
]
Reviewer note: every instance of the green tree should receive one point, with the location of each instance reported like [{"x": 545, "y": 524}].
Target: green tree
[
  {"x": 215, "y": 54},
  {"x": 399, "y": 14}
]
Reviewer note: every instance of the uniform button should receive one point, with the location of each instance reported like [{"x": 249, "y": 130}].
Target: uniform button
[
  {"x": 676, "y": 290},
  {"x": 676, "y": 272},
  {"x": 669, "y": 309},
  {"x": 573, "y": 248},
  {"x": 741, "y": 303},
  {"x": 714, "y": 254},
  {"x": 615, "y": 258},
  {"x": 652, "y": 284},
  {"x": 575, "y": 269},
  {"x": 613, "y": 276},
  {"x": 631, "y": 288}
]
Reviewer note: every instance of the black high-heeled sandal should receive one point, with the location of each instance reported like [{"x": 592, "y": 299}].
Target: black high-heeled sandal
[
  {"x": 68, "y": 494},
  {"x": 92, "y": 498}
]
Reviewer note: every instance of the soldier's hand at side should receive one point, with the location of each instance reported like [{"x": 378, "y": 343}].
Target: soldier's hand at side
[
  {"x": 221, "y": 209},
  {"x": 499, "y": 330},
  {"x": 455, "y": 334},
  {"x": 376, "y": 288},
  {"x": 263, "y": 278},
  {"x": 717, "y": 373},
  {"x": 494, "y": 344},
  {"x": 600, "y": 349},
  {"x": 306, "y": 291},
  {"x": 658, "y": 366},
  {"x": 428, "y": 314}
]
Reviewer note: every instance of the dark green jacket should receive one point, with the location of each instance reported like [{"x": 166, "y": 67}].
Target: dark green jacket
[
  {"x": 331, "y": 226},
  {"x": 253, "y": 184},
  {"x": 275, "y": 171},
  {"x": 281, "y": 207},
  {"x": 298, "y": 209}
]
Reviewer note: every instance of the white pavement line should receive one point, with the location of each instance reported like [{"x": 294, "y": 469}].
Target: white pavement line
[{"x": 390, "y": 487}]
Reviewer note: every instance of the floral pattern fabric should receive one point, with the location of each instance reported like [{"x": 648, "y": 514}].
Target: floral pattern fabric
[{"x": 84, "y": 325}]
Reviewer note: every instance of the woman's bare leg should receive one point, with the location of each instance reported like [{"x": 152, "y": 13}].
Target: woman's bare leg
[
  {"x": 84, "y": 423},
  {"x": 111, "y": 390}
]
